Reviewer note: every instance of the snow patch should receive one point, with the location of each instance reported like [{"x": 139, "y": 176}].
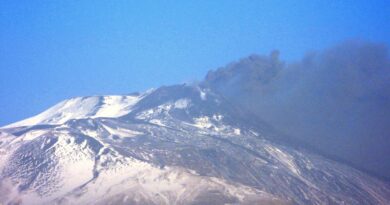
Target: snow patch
[
  {"x": 157, "y": 122},
  {"x": 116, "y": 106},
  {"x": 202, "y": 94},
  {"x": 33, "y": 134},
  {"x": 182, "y": 103},
  {"x": 203, "y": 122},
  {"x": 217, "y": 117},
  {"x": 121, "y": 132},
  {"x": 284, "y": 158}
]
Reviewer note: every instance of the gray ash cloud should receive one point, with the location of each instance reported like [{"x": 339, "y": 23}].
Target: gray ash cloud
[{"x": 336, "y": 100}]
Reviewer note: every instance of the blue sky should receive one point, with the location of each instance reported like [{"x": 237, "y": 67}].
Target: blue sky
[{"x": 53, "y": 50}]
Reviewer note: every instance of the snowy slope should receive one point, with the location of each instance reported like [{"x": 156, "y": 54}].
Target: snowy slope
[
  {"x": 84, "y": 107},
  {"x": 65, "y": 166},
  {"x": 175, "y": 145}
]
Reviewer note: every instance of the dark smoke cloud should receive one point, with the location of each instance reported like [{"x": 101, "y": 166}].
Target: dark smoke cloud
[{"x": 336, "y": 100}]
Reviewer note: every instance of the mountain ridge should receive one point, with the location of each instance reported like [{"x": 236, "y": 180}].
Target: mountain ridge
[{"x": 181, "y": 135}]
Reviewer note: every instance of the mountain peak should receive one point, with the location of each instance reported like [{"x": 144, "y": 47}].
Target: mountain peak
[
  {"x": 83, "y": 107},
  {"x": 176, "y": 144}
]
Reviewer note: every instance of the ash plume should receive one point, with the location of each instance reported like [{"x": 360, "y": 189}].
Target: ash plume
[{"x": 337, "y": 100}]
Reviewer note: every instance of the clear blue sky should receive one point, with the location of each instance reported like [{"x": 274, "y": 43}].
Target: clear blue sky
[{"x": 53, "y": 50}]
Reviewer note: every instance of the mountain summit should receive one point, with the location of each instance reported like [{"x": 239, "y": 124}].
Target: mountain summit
[{"x": 172, "y": 145}]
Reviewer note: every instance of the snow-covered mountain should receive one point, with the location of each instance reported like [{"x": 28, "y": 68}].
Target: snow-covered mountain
[
  {"x": 173, "y": 145},
  {"x": 84, "y": 107}
]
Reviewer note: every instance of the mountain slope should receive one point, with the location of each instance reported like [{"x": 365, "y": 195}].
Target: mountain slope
[
  {"x": 175, "y": 145},
  {"x": 84, "y": 107}
]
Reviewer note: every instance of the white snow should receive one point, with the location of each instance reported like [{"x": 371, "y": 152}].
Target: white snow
[
  {"x": 284, "y": 158},
  {"x": 121, "y": 132},
  {"x": 8, "y": 143},
  {"x": 84, "y": 107},
  {"x": 155, "y": 112},
  {"x": 217, "y": 117},
  {"x": 172, "y": 185},
  {"x": 182, "y": 103},
  {"x": 287, "y": 160},
  {"x": 202, "y": 93},
  {"x": 126, "y": 176},
  {"x": 116, "y": 106},
  {"x": 157, "y": 122},
  {"x": 91, "y": 133},
  {"x": 74, "y": 108},
  {"x": 237, "y": 131},
  {"x": 202, "y": 122},
  {"x": 33, "y": 134}
]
